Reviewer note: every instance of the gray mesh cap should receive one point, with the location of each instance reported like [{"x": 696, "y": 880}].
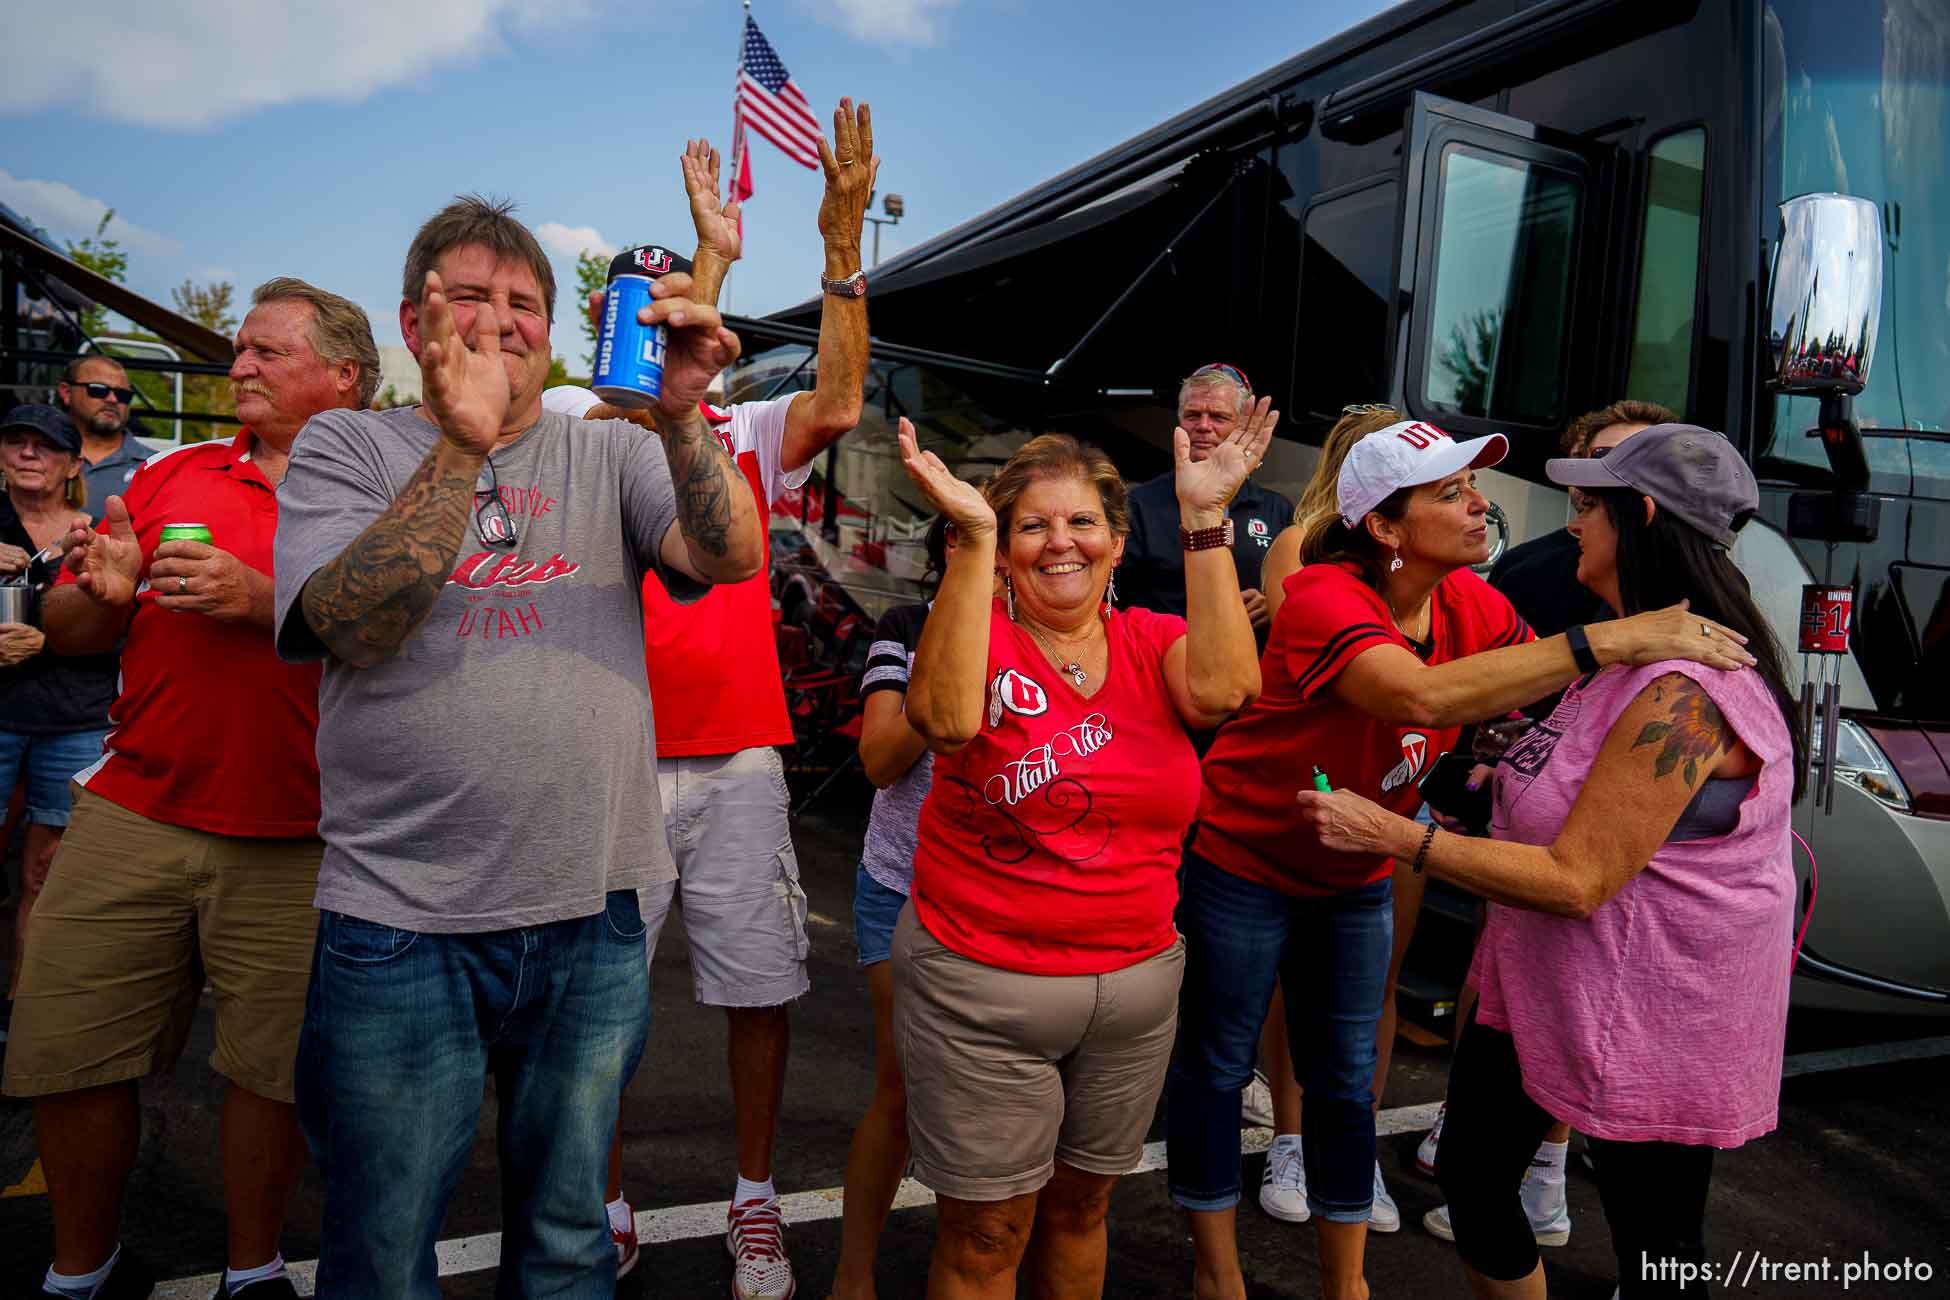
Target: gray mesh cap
[{"x": 1692, "y": 473}]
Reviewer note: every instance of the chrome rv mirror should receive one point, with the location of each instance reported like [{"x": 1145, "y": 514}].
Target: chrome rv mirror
[{"x": 1826, "y": 294}]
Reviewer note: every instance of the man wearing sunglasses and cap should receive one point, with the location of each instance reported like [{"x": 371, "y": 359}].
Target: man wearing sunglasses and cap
[
  {"x": 1211, "y": 402},
  {"x": 95, "y": 392}
]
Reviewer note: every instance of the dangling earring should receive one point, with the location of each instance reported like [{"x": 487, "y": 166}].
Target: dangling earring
[
  {"x": 1110, "y": 591},
  {"x": 1395, "y": 564},
  {"x": 1009, "y": 587}
]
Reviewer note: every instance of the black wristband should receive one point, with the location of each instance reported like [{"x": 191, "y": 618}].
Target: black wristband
[
  {"x": 1581, "y": 648},
  {"x": 1422, "y": 853}
]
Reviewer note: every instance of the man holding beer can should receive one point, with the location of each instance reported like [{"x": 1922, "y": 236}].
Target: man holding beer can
[
  {"x": 720, "y": 704},
  {"x": 193, "y": 850}
]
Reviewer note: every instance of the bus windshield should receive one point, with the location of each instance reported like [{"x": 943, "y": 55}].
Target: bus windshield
[{"x": 1858, "y": 102}]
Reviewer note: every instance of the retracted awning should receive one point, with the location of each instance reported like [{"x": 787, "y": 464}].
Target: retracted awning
[{"x": 38, "y": 260}]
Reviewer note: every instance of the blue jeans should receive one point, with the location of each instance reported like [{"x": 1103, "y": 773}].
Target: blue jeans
[
  {"x": 1331, "y": 955},
  {"x": 401, "y": 1032},
  {"x": 46, "y": 764},
  {"x": 875, "y": 909}
]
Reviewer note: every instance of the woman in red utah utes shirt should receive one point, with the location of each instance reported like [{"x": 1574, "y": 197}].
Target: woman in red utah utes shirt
[
  {"x": 1036, "y": 966},
  {"x": 1385, "y": 645}
]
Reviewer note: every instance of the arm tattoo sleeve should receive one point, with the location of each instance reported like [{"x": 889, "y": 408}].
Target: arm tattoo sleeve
[
  {"x": 704, "y": 477},
  {"x": 1694, "y": 732},
  {"x": 366, "y": 602}
]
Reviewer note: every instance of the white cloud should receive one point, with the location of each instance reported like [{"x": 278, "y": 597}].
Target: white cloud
[
  {"x": 567, "y": 241},
  {"x": 193, "y": 62},
  {"x": 67, "y": 211},
  {"x": 892, "y": 22}
]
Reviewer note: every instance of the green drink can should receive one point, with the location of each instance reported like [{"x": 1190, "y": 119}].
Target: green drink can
[{"x": 186, "y": 533}]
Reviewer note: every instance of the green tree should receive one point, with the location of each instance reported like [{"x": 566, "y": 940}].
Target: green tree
[
  {"x": 103, "y": 256},
  {"x": 592, "y": 273},
  {"x": 558, "y": 372},
  {"x": 208, "y": 305}
]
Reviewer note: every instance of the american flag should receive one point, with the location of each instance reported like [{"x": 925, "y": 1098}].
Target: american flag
[{"x": 771, "y": 105}]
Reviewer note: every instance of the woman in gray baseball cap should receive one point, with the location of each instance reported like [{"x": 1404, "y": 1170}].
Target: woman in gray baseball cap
[{"x": 1633, "y": 977}]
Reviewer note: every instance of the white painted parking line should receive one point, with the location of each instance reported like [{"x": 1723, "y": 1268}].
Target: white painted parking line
[{"x": 689, "y": 1222}]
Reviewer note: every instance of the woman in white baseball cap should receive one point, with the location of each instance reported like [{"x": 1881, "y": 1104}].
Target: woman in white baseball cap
[{"x": 1386, "y": 645}]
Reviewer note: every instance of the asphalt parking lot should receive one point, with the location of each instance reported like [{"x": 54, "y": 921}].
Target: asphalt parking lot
[{"x": 1856, "y": 1171}]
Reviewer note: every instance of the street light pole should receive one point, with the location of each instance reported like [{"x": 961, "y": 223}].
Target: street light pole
[{"x": 895, "y": 207}]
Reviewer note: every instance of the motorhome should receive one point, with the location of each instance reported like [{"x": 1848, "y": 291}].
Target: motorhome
[{"x": 1498, "y": 214}]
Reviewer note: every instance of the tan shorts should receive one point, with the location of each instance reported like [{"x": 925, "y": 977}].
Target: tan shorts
[
  {"x": 135, "y": 913},
  {"x": 1008, "y": 1073}
]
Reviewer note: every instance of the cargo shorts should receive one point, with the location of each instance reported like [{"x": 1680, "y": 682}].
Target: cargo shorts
[
  {"x": 737, "y": 878},
  {"x": 135, "y": 915}
]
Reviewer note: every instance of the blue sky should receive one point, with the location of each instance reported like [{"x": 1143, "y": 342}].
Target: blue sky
[{"x": 311, "y": 137}]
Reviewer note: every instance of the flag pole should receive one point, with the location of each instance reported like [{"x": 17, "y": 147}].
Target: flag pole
[{"x": 739, "y": 146}]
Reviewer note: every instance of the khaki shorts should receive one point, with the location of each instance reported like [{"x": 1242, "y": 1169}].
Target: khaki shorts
[
  {"x": 737, "y": 878},
  {"x": 135, "y": 914},
  {"x": 1008, "y": 1073}
]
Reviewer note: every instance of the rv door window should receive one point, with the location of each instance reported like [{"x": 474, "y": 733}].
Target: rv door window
[
  {"x": 1500, "y": 317},
  {"x": 1662, "y": 335},
  {"x": 1348, "y": 251}
]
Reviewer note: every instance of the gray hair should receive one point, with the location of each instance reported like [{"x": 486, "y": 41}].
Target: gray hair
[
  {"x": 339, "y": 329},
  {"x": 471, "y": 219},
  {"x": 73, "y": 371},
  {"x": 1243, "y": 396}
]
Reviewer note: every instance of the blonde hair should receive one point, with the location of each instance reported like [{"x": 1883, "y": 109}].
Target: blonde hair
[{"x": 1058, "y": 455}]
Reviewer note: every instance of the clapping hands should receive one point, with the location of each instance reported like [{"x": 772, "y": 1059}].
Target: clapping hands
[{"x": 1206, "y": 487}]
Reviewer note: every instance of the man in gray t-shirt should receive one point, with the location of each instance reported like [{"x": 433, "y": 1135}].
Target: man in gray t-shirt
[{"x": 470, "y": 571}]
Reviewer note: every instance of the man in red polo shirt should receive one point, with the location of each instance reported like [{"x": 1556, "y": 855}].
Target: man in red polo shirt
[{"x": 193, "y": 850}]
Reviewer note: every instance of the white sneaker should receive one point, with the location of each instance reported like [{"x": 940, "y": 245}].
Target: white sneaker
[
  {"x": 1544, "y": 1204},
  {"x": 1386, "y": 1216},
  {"x": 1256, "y": 1102},
  {"x": 1425, "y": 1154},
  {"x": 1283, "y": 1187},
  {"x": 1549, "y": 1233},
  {"x": 755, "y": 1237}
]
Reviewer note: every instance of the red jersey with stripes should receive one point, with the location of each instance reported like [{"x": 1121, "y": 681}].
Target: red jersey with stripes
[
  {"x": 1050, "y": 843},
  {"x": 212, "y": 731},
  {"x": 715, "y": 686},
  {"x": 1248, "y": 824}
]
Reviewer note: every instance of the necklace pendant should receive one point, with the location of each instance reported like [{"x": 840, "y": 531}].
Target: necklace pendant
[{"x": 1076, "y": 672}]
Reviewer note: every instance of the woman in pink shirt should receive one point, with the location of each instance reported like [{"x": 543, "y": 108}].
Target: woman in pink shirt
[{"x": 1633, "y": 979}]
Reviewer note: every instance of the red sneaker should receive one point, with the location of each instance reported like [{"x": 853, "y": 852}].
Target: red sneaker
[{"x": 754, "y": 1235}]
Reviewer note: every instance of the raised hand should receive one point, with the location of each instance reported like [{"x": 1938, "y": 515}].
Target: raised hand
[
  {"x": 962, "y": 502},
  {"x": 717, "y": 225},
  {"x": 851, "y": 168},
  {"x": 1206, "y": 487},
  {"x": 463, "y": 381},
  {"x": 107, "y": 566},
  {"x": 699, "y": 346}
]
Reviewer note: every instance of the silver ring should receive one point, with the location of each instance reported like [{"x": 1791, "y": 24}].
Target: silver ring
[
  {"x": 1703, "y": 631},
  {"x": 182, "y": 585}
]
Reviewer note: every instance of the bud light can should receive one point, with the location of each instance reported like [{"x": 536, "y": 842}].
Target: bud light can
[
  {"x": 187, "y": 533},
  {"x": 629, "y": 367}
]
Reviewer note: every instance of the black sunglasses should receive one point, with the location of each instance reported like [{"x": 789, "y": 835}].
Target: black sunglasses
[
  {"x": 100, "y": 392},
  {"x": 492, "y": 522}
]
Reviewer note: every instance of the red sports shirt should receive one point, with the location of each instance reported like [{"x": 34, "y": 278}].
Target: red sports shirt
[
  {"x": 1049, "y": 844},
  {"x": 212, "y": 730},
  {"x": 715, "y": 686},
  {"x": 1247, "y": 821}
]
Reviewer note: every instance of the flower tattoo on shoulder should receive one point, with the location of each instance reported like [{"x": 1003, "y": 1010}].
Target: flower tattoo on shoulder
[{"x": 1694, "y": 729}]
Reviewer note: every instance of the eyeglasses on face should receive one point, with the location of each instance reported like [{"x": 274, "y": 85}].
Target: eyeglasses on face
[
  {"x": 492, "y": 522},
  {"x": 1234, "y": 373},
  {"x": 101, "y": 392}
]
